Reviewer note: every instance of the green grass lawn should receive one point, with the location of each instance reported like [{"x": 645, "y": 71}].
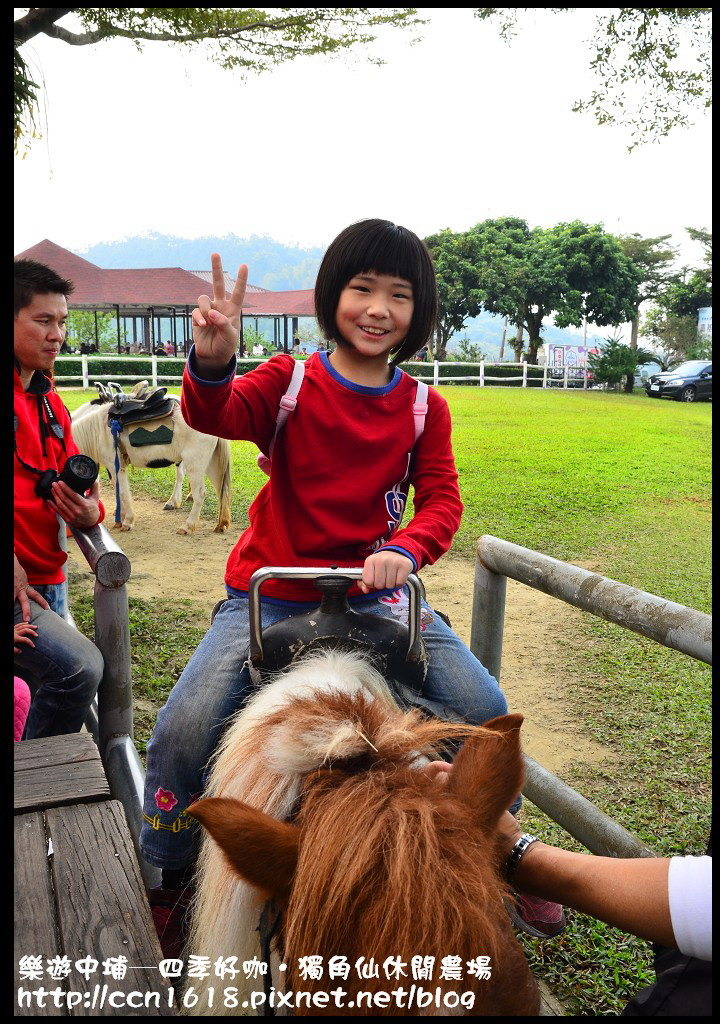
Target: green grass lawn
[{"x": 622, "y": 482}]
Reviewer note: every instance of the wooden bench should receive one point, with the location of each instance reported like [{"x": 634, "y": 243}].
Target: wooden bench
[{"x": 79, "y": 893}]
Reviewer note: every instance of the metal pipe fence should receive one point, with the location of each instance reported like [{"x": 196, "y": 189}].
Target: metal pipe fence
[
  {"x": 672, "y": 625},
  {"x": 110, "y": 719}
]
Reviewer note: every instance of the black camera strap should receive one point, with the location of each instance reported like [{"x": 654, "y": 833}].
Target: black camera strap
[
  {"x": 46, "y": 425},
  {"x": 51, "y": 424}
]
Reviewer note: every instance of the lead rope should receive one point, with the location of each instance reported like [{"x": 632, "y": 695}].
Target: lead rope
[
  {"x": 115, "y": 429},
  {"x": 267, "y": 927}
]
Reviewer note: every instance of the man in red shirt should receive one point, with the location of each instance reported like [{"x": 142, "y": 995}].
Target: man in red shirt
[{"x": 62, "y": 665}]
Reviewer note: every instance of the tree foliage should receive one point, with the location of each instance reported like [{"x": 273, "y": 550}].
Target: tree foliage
[
  {"x": 82, "y": 328},
  {"x": 671, "y": 323},
  {"x": 459, "y": 297},
  {"x": 653, "y": 258},
  {"x": 570, "y": 271},
  {"x": 616, "y": 363},
  {"x": 467, "y": 351},
  {"x": 240, "y": 39},
  {"x": 683, "y": 295},
  {"x": 664, "y": 50},
  {"x": 674, "y": 337}
]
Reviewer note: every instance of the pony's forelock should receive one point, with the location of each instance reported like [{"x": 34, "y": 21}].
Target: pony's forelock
[{"x": 328, "y": 731}]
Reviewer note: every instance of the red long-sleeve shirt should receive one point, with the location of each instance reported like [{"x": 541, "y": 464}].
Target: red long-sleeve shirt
[
  {"x": 341, "y": 469},
  {"x": 36, "y": 525}
]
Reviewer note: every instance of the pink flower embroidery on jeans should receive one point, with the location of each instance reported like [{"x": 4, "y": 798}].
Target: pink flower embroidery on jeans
[
  {"x": 399, "y": 603},
  {"x": 165, "y": 799}
]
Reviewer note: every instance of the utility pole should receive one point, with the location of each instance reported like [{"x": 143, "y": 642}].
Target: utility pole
[{"x": 504, "y": 335}]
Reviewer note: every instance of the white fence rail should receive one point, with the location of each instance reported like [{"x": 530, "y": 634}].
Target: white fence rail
[{"x": 556, "y": 376}]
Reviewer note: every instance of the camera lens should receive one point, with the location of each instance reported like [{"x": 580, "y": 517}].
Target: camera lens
[{"x": 79, "y": 472}]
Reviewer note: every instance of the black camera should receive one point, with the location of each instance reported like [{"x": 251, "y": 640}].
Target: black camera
[{"x": 79, "y": 472}]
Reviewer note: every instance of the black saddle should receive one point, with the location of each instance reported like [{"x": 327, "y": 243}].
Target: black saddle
[{"x": 130, "y": 409}]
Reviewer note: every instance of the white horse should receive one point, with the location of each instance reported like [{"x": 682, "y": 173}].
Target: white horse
[{"x": 195, "y": 454}]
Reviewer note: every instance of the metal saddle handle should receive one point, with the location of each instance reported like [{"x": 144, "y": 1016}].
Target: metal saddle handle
[{"x": 272, "y": 572}]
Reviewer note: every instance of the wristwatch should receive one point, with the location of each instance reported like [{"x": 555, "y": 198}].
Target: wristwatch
[{"x": 517, "y": 853}]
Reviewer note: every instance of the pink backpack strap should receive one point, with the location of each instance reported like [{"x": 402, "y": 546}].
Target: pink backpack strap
[
  {"x": 420, "y": 409},
  {"x": 287, "y": 404}
]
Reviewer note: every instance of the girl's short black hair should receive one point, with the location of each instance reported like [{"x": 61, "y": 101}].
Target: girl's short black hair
[{"x": 385, "y": 248}]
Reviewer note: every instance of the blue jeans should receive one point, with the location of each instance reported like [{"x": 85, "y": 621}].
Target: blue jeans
[
  {"x": 63, "y": 669},
  {"x": 215, "y": 683}
]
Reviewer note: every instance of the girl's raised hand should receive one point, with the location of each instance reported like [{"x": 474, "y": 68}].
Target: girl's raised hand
[{"x": 216, "y": 321}]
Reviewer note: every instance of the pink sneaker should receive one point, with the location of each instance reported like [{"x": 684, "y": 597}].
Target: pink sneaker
[
  {"x": 170, "y": 916},
  {"x": 537, "y": 917}
]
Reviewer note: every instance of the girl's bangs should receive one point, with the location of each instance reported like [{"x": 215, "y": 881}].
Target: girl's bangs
[{"x": 392, "y": 251}]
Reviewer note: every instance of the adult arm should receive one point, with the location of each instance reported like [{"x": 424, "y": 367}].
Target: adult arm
[
  {"x": 667, "y": 901},
  {"x": 631, "y": 894},
  {"x": 76, "y": 509},
  {"x": 24, "y": 592},
  {"x": 664, "y": 900}
]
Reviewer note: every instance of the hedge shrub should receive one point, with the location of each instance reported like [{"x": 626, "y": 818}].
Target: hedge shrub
[{"x": 137, "y": 368}]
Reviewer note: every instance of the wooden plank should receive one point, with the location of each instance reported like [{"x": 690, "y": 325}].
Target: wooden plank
[
  {"x": 102, "y": 909},
  {"x": 55, "y": 750},
  {"x": 35, "y": 926},
  {"x": 58, "y": 770}
]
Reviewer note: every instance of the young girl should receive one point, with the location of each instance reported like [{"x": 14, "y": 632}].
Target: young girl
[{"x": 341, "y": 470}]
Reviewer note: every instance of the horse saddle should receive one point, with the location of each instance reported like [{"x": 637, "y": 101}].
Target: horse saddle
[{"x": 128, "y": 410}]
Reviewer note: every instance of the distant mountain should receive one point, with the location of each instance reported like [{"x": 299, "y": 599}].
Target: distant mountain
[
  {"x": 280, "y": 268},
  {"x": 272, "y": 265}
]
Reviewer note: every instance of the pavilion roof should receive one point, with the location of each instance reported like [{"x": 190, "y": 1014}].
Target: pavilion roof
[
  {"x": 156, "y": 286},
  {"x": 296, "y": 303}
]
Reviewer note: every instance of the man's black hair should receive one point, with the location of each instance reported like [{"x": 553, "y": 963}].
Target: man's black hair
[
  {"x": 385, "y": 248},
  {"x": 33, "y": 278}
]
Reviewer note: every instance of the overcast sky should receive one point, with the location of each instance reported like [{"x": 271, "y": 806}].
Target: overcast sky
[{"x": 451, "y": 131}]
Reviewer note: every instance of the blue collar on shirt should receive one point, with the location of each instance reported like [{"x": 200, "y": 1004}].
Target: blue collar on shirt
[{"x": 361, "y": 388}]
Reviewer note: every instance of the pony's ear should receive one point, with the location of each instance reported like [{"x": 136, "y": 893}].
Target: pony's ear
[
  {"x": 488, "y": 773},
  {"x": 262, "y": 850}
]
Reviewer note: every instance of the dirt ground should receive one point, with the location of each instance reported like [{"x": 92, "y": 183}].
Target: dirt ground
[{"x": 534, "y": 677}]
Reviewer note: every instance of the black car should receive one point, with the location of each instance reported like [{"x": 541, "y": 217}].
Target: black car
[{"x": 688, "y": 382}]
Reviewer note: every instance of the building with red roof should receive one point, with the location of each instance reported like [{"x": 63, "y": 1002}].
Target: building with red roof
[{"x": 153, "y": 306}]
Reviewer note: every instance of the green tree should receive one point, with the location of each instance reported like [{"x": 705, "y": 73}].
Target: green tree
[
  {"x": 457, "y": 278},
  {"x": 94, "y": 329},
  {"x": 652, "y": 257},
  {"x": 684, "y": 296},
  {"x": 570, "y": 271},
  {"x": 616, "y": 362},
  {"x": 467, "y": 351},
  {"x": 674, "y": 337},
  {"x": 664, "y": 50},
  {"x": 671, "y": 324},
  {"x": 240, "y": 39}
]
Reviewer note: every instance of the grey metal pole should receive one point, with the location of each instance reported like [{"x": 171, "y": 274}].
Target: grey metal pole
[
  {"x": 126, "y": 777},
  {"x": 488, "y": 617},
  {"x": 673, "y": 625},
  {"x": 112, "y": 638},
  {"x": 589, "y": 825},
  {"x": 109, "y": 563}
]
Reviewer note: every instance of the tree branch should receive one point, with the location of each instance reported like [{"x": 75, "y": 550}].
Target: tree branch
[{"x": 38, "y": 20}]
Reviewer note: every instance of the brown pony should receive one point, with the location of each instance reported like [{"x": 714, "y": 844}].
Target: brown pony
[{"x": 317, "y": 802}]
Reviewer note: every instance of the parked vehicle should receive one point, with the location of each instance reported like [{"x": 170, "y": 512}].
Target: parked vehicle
[{"x": 689, "y": 382}]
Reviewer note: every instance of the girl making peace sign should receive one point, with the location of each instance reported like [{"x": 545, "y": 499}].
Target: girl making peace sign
[{"x": 341, "y": 470}]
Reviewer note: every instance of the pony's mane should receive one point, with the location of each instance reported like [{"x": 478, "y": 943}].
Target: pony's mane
[
  {"x": 326, "y": 742},
  {"x": 408, "y": 838}
]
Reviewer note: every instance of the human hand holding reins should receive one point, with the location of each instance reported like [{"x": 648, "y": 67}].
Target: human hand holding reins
[{"x": 216, "y": 322}]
